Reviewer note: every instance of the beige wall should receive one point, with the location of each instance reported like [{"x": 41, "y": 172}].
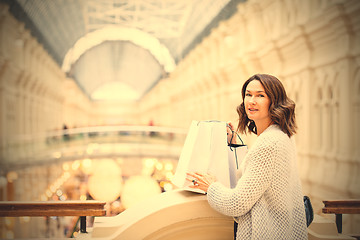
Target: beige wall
[
  {"x": 29, "y": 82},
  {"x": 313, "y": 47}
]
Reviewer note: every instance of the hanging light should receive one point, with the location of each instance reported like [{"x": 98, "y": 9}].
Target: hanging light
[
  {"x": 106, "y": 182},
  {"x": 139, "y": 188}
]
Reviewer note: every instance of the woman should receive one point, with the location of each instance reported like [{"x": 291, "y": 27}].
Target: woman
[{"x": 267, "y": 202}]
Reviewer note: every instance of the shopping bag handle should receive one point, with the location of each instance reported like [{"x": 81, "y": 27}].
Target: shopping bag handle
[
  {"x": 234, "y": 145},
  {"x": 232, "y": 136}
]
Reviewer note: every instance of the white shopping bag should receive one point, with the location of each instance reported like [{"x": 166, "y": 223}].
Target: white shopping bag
[{"x": 206, "y": 151}]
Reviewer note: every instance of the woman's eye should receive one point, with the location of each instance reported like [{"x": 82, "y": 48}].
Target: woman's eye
[
  {"x": 261, "y": 95},
  {"x": 248, "y": 95}
]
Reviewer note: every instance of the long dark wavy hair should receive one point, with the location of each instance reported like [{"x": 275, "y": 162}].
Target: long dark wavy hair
[{"x": 281, "y": 109}]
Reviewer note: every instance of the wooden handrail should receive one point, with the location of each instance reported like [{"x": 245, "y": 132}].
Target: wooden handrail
[
  {"x": 339, "y": 207},
  {"x": 54, "y": 208}
]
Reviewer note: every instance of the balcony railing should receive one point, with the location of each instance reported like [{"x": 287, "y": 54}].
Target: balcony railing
[
  {"x": 53, "y": 208},
  {"x": 94, "y": 142}
]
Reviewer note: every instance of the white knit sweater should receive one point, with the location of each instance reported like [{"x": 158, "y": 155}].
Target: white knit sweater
[{"x": 267, "y": 201}]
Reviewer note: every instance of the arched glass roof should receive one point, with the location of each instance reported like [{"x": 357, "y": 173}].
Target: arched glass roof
[{"x": 126, "y": 44}]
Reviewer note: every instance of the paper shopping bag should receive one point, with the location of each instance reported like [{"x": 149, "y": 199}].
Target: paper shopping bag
[
  {"x": 236, "y": 153},
  {"x": 206, "y": 150}
]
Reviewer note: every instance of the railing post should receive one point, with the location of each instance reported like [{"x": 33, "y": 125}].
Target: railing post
[
  {"x": 54, "y": 208},
  {"x": 83, "y": 224},
  {"x": 339, "y": 222},
  {"x": 340, "y": 207}
]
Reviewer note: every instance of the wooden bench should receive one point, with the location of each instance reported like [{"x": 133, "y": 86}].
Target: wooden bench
[
  {"x": 340, "y": 207},
  {"x": 54, "y": 208}
]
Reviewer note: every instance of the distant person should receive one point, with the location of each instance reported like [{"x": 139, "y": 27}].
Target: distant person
[
  {"x": 66, "y": 136},
  {"x": 151, "y": 123}
]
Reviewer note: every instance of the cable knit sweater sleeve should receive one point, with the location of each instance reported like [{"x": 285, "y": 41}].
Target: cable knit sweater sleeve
[
  {"x": 267, "y": 200},
  {"x": 255, "y": 180}
]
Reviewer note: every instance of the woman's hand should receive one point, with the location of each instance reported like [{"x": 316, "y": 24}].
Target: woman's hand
[
  {"x": 231, "y": 136},
  {"x": 200, "y": 181}
]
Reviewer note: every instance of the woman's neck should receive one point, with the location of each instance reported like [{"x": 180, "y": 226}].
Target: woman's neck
[{"x": 262, "y": 126}]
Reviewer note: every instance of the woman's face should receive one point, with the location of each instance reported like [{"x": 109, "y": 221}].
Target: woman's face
[{"x": 257, "y": 103}]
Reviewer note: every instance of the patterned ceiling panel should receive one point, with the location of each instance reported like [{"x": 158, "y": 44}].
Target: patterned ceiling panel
[{"x": 178, "y": 26}]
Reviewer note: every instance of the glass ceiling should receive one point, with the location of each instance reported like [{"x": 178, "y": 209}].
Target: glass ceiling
[{"x": 119, "y": 49}]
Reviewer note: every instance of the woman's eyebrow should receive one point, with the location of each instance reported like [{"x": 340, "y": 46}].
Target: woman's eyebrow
[{"x": 260, "y": 91}]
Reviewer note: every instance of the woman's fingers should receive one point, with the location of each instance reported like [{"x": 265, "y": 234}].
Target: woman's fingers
[
  {"x": 196, "y": 178},
  {"x": 200, "y": 180},
  {"x": 195, "y": 174},
  {"x": 230, "y": 126},
  {"x": 190, "y": 174},
  {"x": 190, "y": 177},
  {"x": 200, "y": 177},
  {"x": 229, "y": 132}
]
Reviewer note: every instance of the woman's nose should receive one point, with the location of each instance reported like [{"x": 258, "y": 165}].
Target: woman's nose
[{"x": 252, "y": 101}]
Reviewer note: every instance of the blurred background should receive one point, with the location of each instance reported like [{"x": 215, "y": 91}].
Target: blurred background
[{"x": 96, "y": 96}]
